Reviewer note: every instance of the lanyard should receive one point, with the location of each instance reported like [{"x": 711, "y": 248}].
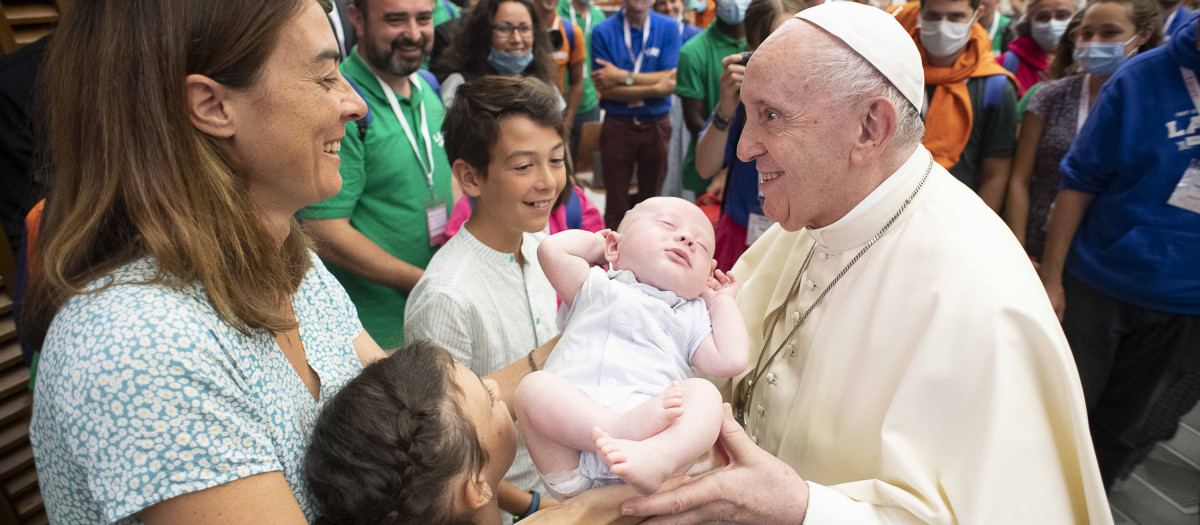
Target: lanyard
[
  {"x": 412, "y": 141},
  {"x": 995, "y": 26},
  {"x": 587, "y": 18},
  {"x": 1084, "y": 96},
  {"x": 637, "y": 62}
]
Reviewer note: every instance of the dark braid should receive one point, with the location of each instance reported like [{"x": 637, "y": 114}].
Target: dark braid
[{"x": 388, "y": 448}]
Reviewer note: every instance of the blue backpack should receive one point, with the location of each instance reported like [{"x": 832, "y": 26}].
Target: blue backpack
[{"x": 365, "y": 121}]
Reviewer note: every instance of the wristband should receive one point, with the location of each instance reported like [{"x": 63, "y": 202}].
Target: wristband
[
  {"x": 533, "y": 505},
  {"x": 719, "y": 122}
]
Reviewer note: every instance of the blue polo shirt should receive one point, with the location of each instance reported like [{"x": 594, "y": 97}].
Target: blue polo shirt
[{"x": 662, "y": 54}]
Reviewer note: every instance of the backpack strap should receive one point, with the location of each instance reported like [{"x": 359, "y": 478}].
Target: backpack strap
[
  {"x": 569, "y": 29},
  {"x": 574, "y": 211},
  {"x": 366, "y": 119},
  {"x": 1011, "y": 62},
  {"x": 433, "y": 82},
  {"x": 993, "y": 91}
]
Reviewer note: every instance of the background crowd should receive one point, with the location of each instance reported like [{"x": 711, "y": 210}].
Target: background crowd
[{"x": 1041, "y": 107}]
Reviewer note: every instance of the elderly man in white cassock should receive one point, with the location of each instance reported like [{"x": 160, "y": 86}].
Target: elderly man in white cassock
[{"x": 911, "y": 369}]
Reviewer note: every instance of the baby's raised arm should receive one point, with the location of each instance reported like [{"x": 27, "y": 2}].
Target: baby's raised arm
[
  {"x": 725, "y": 352},
  {"x": 566, "y": 258}
]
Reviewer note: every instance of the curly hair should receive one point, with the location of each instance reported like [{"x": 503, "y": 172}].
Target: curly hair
[
  {"x": 389, "y": 446},
  {"x": 469, "y": 51}
]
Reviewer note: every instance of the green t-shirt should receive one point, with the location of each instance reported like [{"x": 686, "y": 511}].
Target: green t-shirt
[
  {"x": 998, "y": 39},
  {"x": 443, "y": 10},
  {"x": 699, "y": 77},
  {"x": 384, "y": 193},
  {"x": 993, "y": 132},
  {"x": 589, "y": 89}
]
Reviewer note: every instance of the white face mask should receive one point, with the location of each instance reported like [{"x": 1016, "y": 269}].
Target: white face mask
[
  {"x": 1047, "y": 34},
  {"x": 944, "y": 38}
]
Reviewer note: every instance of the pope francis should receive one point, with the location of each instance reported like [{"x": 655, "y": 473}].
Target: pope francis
[{"x": 906, "y": 366}]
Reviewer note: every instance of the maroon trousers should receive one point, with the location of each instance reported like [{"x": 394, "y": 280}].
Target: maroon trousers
[{"x": 625, "y": 143}]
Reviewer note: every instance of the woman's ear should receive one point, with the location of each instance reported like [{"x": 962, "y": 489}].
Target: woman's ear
[
  {"x": 208, "y": 106},
  {"x": 469, "y": 178}
]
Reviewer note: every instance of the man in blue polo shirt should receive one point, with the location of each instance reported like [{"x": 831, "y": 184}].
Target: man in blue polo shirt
[{"x": 634, "y": 57}]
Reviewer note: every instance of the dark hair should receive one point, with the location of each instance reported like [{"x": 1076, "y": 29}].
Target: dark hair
[
  {"x": 1143, "y": 14},
  {"x": 472, "y": 124},
  {"x": 133, "y": 177},
  {"x": 974, "y": 4},
  {"x": 762, "y": 14},
  {"x": 469, "y": 51},
  {"x": 387, "y": 449}
]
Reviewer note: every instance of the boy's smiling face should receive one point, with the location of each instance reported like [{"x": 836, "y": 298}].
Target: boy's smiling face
[{"x": 526, "y": 173}]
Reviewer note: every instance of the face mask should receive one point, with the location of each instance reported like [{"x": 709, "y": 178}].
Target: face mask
[
  {"x": 1047, "y": 34},
  {"x": 1101, "y": 58},
  {"x": 943, "y": 38},
  {"x": 732, "y": 12},
  {"x": 698, "y": 5},
  {"x": 508, "y": 63}
]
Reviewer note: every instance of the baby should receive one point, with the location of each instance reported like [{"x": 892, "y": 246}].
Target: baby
[
  {"x": 414, "y": 438},
  {"x": 617, "y": 401}
]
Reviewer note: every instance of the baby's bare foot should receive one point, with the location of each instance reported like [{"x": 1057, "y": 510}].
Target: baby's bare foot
[
  {"x": 638, "y": 463},
  {"x": 651, "y": 417}
]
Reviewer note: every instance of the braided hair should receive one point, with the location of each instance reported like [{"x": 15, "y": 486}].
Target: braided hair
[{"x": 388, "y": 448}]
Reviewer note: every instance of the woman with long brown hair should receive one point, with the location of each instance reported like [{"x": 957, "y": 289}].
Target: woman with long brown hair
[{"x": 188, "y": 334}]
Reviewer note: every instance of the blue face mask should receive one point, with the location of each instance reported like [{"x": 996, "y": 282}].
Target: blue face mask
[
  {"x": 508, "y": 63},
  {"x": 732, "y": 12},
  {"x": 1101, "y": 58}
]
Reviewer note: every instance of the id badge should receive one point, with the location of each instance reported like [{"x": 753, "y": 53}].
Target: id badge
[
  {"x": 435, "y": 219},
  {"x": 756, "y": 226},
  {"x": 1187, "y": 192}
]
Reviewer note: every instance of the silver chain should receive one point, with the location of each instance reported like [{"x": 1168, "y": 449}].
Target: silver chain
[{"x": 758, "y": 366}]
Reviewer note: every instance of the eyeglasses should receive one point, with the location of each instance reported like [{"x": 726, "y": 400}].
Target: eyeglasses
[{"x": 506, "y": 30}]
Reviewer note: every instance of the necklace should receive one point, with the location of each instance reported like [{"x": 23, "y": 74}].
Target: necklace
[{"x": 758, "y": 365}]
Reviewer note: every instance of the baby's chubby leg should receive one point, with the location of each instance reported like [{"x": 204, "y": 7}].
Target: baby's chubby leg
[
  {"x": 647, "y": 463},
  {"x": 557, "y": 419}
]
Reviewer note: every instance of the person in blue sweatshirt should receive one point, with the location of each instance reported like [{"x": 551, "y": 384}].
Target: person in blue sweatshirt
[{"x": 1122, "y": 258}]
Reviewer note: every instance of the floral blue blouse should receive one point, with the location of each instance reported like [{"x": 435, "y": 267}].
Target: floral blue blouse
[{"x": 143, "y": 394}]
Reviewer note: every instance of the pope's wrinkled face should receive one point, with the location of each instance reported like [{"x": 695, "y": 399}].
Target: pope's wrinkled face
[{"x": 793, "y": 131}]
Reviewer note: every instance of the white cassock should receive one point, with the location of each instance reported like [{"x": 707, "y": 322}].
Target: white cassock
[{"x": 933, "y": 384}]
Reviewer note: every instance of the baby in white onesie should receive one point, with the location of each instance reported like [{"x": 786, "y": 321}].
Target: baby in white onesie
[{"x": 617, "y": 400}]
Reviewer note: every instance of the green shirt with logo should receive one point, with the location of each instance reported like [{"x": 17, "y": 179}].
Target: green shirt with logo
[
  {"x": 385, "y": 192},
  {"x": 699, "y": 77}
]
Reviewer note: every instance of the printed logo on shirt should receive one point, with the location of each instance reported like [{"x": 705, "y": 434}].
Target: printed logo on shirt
[
  {"x": 1185, "y": 127},
  {"x": 439, "y": 140},
  {"x": 560, "y": 56},
  {"x": 652, "y": 51}
]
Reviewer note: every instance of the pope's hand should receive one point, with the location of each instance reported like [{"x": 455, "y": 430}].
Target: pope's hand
[{"x": 755, "y": 487}]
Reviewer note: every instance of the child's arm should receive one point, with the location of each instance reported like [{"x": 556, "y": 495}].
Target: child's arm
[
  {"x": 566, "y": 258},
  {"x": 724, "y": 352}
]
